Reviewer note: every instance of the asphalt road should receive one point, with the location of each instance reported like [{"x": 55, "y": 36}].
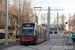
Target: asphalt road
[{"x": 53, "y": 44}]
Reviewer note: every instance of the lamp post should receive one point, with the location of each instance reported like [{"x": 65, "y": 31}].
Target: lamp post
[
  {"x": 48, "y": 23},
  {"x": 6, "y": 22}
]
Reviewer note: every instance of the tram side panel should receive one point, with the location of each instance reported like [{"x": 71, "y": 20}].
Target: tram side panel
[
  {"x": 43, "y": 34},
  {"x": 37, "y": 32},
  {"x": 46, "y": 34}
]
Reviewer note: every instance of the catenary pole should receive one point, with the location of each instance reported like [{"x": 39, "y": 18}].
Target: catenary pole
[
  {"x": 48, "y": 23},
  {"x": 6, "y": 22},
  {"x": 57, "y": 22}
]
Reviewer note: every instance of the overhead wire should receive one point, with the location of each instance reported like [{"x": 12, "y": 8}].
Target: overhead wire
[
  {"x": 41, "y": 8},
  {"x": 55, "y": 7}
]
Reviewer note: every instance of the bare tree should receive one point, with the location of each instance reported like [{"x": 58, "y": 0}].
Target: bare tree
[
  {"x": 55, "y": 22},
  {"x": 2, "y": 13},
  {"x": 63, "y": 20},
  {"x": 1, "y": 2},
  {"x": 43, "y": 18},
  {"x": 36, "y": 18},
  {"x": 23, "y": 9},
  {"x": 72, "y": 22}
]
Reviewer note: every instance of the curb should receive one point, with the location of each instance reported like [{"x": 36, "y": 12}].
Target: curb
[{"x": 9, "y": 42}]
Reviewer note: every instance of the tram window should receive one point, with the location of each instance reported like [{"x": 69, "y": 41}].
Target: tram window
[
  {"x": 28, "y": 32},
  {"x": 35, "y": 33}
]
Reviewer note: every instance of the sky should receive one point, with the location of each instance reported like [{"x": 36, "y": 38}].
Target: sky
[{"x": 67, "y": 5}]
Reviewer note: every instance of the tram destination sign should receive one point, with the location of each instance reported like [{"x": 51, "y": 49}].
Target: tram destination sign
[{"x": 28, "y": 25}]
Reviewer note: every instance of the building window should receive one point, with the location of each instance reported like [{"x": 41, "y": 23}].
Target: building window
[
  {"x": 55, "y": 32},
  {"x": 51, "y": 32}
]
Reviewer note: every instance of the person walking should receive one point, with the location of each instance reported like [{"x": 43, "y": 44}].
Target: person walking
[{"x": 73, "y": 37}]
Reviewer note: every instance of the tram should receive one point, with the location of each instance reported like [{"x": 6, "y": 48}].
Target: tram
[{"x": 33, "y": 33}]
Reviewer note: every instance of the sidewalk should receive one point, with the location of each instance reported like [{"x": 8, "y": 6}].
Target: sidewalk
[
  {"x": 70, "y": 46},
  {"x": 53, "y": 44}
]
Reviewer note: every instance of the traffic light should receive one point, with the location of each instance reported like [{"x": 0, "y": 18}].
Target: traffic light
[{"x": 66, "y": 22}]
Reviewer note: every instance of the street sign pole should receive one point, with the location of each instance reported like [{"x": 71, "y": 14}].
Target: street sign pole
[
  {"x": 6, "y": 22},
  {"x": 69, "y": 33},
  {"x": 15, "y": 30},
  {"x": 48, "y": 23},
  {"x": 57, "y": 22}
]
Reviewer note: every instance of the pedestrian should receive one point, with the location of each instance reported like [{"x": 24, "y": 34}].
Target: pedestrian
[{"x": 73, "y": 37}]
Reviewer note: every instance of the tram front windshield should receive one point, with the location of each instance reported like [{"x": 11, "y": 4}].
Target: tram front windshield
[{"x": 27, "y": 31}]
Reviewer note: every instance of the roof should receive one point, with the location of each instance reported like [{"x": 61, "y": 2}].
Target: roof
[
  {"x": 56, "y": 28},
  {"x": 28, "y": 23}
]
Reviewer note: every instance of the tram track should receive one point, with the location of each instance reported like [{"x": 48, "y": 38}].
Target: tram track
[
  {"x": 33, "y": 48},
  {"x": 64, "y": 45},
  {"x": 27, "y": 47},
  {"x": 53, "y": 45},
  {"x": 38, "y": 49}
]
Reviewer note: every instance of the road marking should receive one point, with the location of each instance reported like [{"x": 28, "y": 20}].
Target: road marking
[
  {"x": 53, "y": 44},
  {"x": 67, "y": 47},
  {"x": 64, "y": 45}
]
